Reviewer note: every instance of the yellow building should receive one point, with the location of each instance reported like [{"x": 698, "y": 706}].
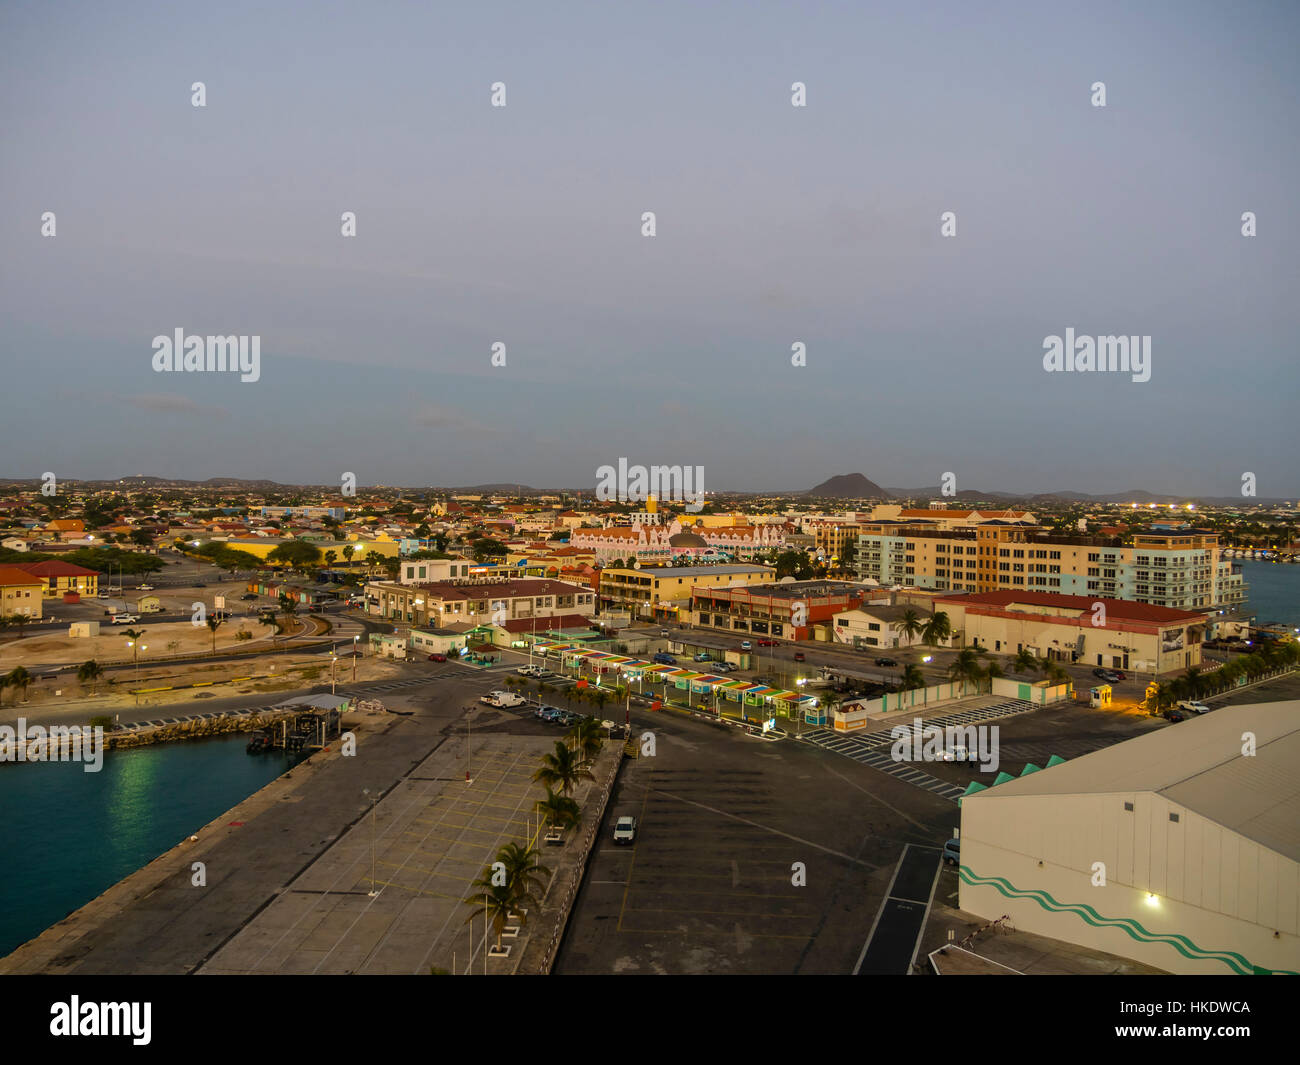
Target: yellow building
[
  {"x": 664, "y": 592},
  {"x": 20, "y": 593}
]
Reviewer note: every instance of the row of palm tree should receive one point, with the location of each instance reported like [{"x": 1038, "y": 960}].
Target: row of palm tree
[
  {"x": 1194, "y": 684},
  {"x": 933, "y": 631},
  {"x": 515, "y": 882}
]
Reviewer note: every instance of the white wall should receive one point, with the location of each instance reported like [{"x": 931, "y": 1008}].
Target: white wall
[{"x": 1223, "y": 892}]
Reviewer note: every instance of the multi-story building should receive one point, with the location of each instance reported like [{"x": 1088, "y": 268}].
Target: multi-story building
[
  {"x": 664, "y": 592},
  {"x": 662, "y": 543},
  {"x": 59, "y": 578},
  {"x": 20, "y": 593},
  {"x": 438, "y": 604},
  {"x": 336, "y": 513},
  {"x": 1071, "y": 628},
  {"x": 798, "y": 610},
  {"x": 427, "y": 570},
  {"x": 1181, "y": 570}
]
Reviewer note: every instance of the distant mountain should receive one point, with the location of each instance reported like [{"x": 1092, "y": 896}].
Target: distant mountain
[{"x": 848, "y": 486}]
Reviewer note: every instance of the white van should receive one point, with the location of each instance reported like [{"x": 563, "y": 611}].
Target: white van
[{"x": 502, "y": 699}]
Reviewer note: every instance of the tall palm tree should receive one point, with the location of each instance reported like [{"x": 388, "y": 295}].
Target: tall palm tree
[
  {"x": 20, "y": 678},
  {"x": 493, "y": 901},
  {"x": 563, "y": 769},
  {"x": 966, "y": 667},
  {"x": 585, "y": 739},
  {"x": 525, "y": 875},
  {"x": 89, "y": 673},
  {"x": 937, "y": 629},
  {"x": 560, "y": 811},
  {"x": 213, "y": 625},
  {"x": 4, "y": 683},
  {"x": 134, "y": 636},
  {"x": 1025, "y": 661},
  {"x": 909, "y": 625}
]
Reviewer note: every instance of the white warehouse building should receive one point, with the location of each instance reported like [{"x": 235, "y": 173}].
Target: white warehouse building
[{"x": 1195, "y": 827}]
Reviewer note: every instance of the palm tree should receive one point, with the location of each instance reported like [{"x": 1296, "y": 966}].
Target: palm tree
[
  {"x": 20, "y": 678},
  {"x": 21, "y": 620},
  {"x": 493, "y": 902},
  {"x": 525, "y": 875},
  {"x": 89, "y": 673},
  {"x": 347, "y": 554},
  {"x": 909, "y": 625},
  {"x": 134, "y": 636},
  {"x": 1025, "y": 661},
  {"x": 936, "y": 630},
  {"x": 563, "y": 769},
  {"x": 966, "y": 667},
  {"x": 560, "y": 811},
  {"x": 586, "y": 740},
  {"x": 912, "y": 678},
  {"x": 213, "y": 625},
  {"x": 330, "y": 556},
  {"x": 4, "y": 683},
  {"x": 269, "y": 619}
]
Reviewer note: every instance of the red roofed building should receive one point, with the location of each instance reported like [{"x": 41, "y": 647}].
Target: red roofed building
[
  {"x": 60, "y": 577},
  {"x": 20, "y": 592},
  {"x": 1111, "y": 633}
]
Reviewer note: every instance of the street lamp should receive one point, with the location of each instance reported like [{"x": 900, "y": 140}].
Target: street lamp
[
  {"x": 354, "y": 657},
  {"x": 334, "y": 661},
  {"x": 366, "y": 791}
]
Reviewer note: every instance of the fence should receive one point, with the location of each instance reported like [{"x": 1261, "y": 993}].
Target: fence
[{"x": 575, "y": 881}]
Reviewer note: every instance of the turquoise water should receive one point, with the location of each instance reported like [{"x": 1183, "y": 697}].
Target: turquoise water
[
  {"x": 1274, "y": 591},
  {"x": 66, "y": 835}
]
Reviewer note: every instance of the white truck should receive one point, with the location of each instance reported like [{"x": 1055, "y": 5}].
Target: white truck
[{"x": 503, "y": 699}]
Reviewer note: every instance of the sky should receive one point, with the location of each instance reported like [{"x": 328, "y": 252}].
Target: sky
[{"x": 774, "y": 225}]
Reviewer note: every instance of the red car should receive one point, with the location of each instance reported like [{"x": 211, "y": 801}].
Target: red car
[
  {"x": 766, "y": 643},
  {"x": 437, "y": 658}
]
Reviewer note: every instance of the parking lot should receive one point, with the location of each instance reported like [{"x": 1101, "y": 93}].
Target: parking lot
[{"x": 750, "y": 857}]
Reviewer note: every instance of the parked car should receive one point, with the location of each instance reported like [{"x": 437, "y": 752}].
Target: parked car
[
  {"x": 886, "y": 662},
  {"x": 1193, "y": 707},
  {"x": 503, "y": 699},
  {"x": 663, "y": 632},
  {"x": 103, "y": 594},
  {"x": 118, "y": 619},
  {"x": 1108, "y": 675},
  {"x": 952, "y": 852},
  {"x": 745, "y": 645},
  {"x": 724, "y": 667},
  {"x": 145, "y": 588},
  {"x": 625, "y": 830},
  {"x": 1174, "y": 714},
  {"x": 248, "y": 595},
  {"x": 435, "y": 657},
  {"x": 665, "y": 659},
  {"x": 1120, "y": 674},
  {"x": 766, "y": 643},
  {"x": 798, "y": 656},
  {"x": 703, "y": 656}
]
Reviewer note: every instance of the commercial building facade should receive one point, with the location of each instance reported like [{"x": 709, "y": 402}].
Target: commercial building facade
[
  {"x": 798, "y": 610},
  {"x": 439, "y": 605},
  {"x": 1180, "y": 570},
  {"x": 1177, "y": 848},
  {"x": 663, "y": 593},
  {"x": 1111, "y": 633}
]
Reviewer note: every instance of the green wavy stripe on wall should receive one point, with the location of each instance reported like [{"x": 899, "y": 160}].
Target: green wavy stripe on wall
[{"x": 1236, "y": 962}]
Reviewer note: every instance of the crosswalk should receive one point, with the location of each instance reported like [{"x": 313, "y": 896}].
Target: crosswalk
[{"x": 873, "y": 748}]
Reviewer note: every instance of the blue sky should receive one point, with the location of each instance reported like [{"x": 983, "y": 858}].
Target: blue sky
[{"x": 775, "y": 224}]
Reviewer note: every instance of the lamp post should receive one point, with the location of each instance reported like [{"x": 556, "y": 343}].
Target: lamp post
[
  {"x": 355, "y": 650},
  {"x": 334, "y": 661},
  {"x": 374, "y": 893}
]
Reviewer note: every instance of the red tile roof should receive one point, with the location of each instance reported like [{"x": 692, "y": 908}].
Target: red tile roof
[
  {"x": 54, "y": 569},
  {"x": 1118, "y": 609}
]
